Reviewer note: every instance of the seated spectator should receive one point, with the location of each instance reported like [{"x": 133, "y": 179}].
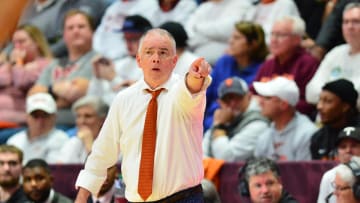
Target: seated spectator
[
  {"x": 185, "y": 57},
  {"x": 28, "y": 58},
  {"x": 48, "y": 16},
  {"x": 210, "y": 26},
  {"x": 41, "y": 139},
  {"x": 260, "y": 181},
  {"x": 290, "y": 59},
  {"x": 343, "y": 61},
  {"x": 67, "y": 78},
  {"x": 337, "y": 109},
  {"x": 111, "y": 77},
  {"x": 330, "y": 32},
  {"x": 108, "y": 38},
  {"x": 237, "y": 123},
  {"x": 266, "y": 12},
  {"x": 90, "y": 113},
  {"x": 38, "y": 182},
  {"x": 245, "y": 53},
  {"x": 348, "y": 146},
  {"x": 174, "y": 10},
  {"x": 10, "y": 171},
  {"x": 107, "y": 190},
  {"x": 289, "y": 135},
  {"x": 346, "y": 184}
]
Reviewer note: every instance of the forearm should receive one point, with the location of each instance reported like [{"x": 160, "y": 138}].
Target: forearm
[{"x": 82, "y": 195}]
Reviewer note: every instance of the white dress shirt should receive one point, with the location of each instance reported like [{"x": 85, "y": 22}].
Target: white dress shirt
[{"x": 178, "y": 155}]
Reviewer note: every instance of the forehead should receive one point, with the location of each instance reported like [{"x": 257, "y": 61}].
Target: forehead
[
  {"x": 37, "y": 170},
  {"x": 76, "y": 18},
  {"x": 329, "y": 95},
  {"x": 4, "y": 156},
  {"x": 283, "y": 25},
  {"x": 262, "y": 177},
  {"x": 155, "y": 40},
  {"x": 349, "y": 141},
  {"x": 352, "y": 13}
]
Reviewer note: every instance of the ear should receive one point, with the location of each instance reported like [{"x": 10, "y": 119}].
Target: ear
[
  {"x": 345, "y": 107},
  {"x": 175, "y": 59},
  {"x": 138, "y": 60}
]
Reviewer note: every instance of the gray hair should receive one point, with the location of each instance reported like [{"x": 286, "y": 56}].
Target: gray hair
[
  {"x": 298, "y": 24},
  {"x": 260, "y": 165},
  {"x": 161, "y": 32},
  {"x": 211, "y": 195},
  {"x": 351, "y": 5},
  {"x": 346, "y": 173},
  {"x": 98, "y": 104}
]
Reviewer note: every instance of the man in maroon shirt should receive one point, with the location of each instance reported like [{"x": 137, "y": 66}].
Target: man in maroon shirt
[{"x": 289, "y": 59}]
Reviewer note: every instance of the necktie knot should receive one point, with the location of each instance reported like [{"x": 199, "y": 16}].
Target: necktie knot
[{"x": 155, "y": 93}]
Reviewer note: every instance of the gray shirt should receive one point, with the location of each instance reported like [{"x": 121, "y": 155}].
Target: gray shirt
[{"x": 291, "y": 144}]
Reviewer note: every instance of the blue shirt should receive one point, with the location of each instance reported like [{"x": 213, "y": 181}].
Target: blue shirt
[{"x": 224, "y": 68}]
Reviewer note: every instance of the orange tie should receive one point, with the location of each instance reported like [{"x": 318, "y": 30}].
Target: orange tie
[{"x": 148, "y": 148}]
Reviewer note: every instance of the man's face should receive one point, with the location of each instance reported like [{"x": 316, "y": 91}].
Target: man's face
[
  {"x": 236, "y": 102},
  {"x": 40, "y": 122},
  {"x": 330, "y": 107},
  {"x": 157, "y": 58},
  {"x": 347, "y": 148},
  {"x": 86, "y": 116},
  {"x": 37, "y": 183},
  {"x": 343, "y": 191},
  {"x": 283, "y": 41},
  {"x": 77, "y": 32},
  {"x": 270, "y": 106},
  {"x": 351, "y": 27},
  {"x": 265, "y": 188},
  {"x": 10, "y": 169}
]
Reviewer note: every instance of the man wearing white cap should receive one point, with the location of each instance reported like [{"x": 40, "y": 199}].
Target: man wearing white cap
[
  {"x": 288, "y": 137},
  {"x": 41, "y": 139}
]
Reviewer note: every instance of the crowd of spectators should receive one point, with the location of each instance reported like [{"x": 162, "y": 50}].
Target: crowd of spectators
[{"x": 284, "y": 86}]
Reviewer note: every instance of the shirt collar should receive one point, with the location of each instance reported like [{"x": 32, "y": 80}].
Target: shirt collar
[{"x": 41, "y": 6}]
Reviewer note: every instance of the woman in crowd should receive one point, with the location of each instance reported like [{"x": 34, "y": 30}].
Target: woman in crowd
[
  {"x": 18, "y": 72},
  {"x": 245, "y": 53}
]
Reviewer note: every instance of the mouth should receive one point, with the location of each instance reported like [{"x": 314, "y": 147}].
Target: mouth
[{"x": 156, "y": 69}]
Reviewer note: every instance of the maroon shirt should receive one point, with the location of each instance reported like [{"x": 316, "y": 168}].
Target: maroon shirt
[{"x": 300, "y": 67}]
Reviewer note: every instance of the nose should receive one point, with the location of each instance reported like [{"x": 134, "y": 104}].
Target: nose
[
  {"x": 156, "y": 58},
  {"x": 319, "y": 105}
]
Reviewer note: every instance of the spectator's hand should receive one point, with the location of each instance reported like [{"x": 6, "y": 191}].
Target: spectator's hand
[
  {"x": 104, "y": 68},
  {"x": 223, "y": 115},
  {"x": 61, "y": 88},
  {"x": 86, "y": 137},
  {"x": 124, "y": 84},
  {"x": 17, "y": 56}
]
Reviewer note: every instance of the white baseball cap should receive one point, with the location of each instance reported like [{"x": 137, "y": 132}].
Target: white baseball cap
[
  {"x": 41, "y": 101},
  {"x": 281, "y": 87}
]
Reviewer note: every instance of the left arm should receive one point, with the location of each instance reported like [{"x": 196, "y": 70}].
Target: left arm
[{"x": 198, "y": 71}]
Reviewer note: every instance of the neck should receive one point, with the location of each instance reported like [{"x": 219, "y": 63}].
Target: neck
[
  {"x": 242, "y": 61},
  {"x": 339, "y": 123},
  {"x": 6, "y": 193},
  {"x": 283, "y": 120},
  {"x": 75, "y": 54},
  {"x": 355, "y": 49}
]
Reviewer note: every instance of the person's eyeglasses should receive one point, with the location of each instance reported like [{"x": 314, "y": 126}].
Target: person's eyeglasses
[{"x": 339, "y": 188}]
